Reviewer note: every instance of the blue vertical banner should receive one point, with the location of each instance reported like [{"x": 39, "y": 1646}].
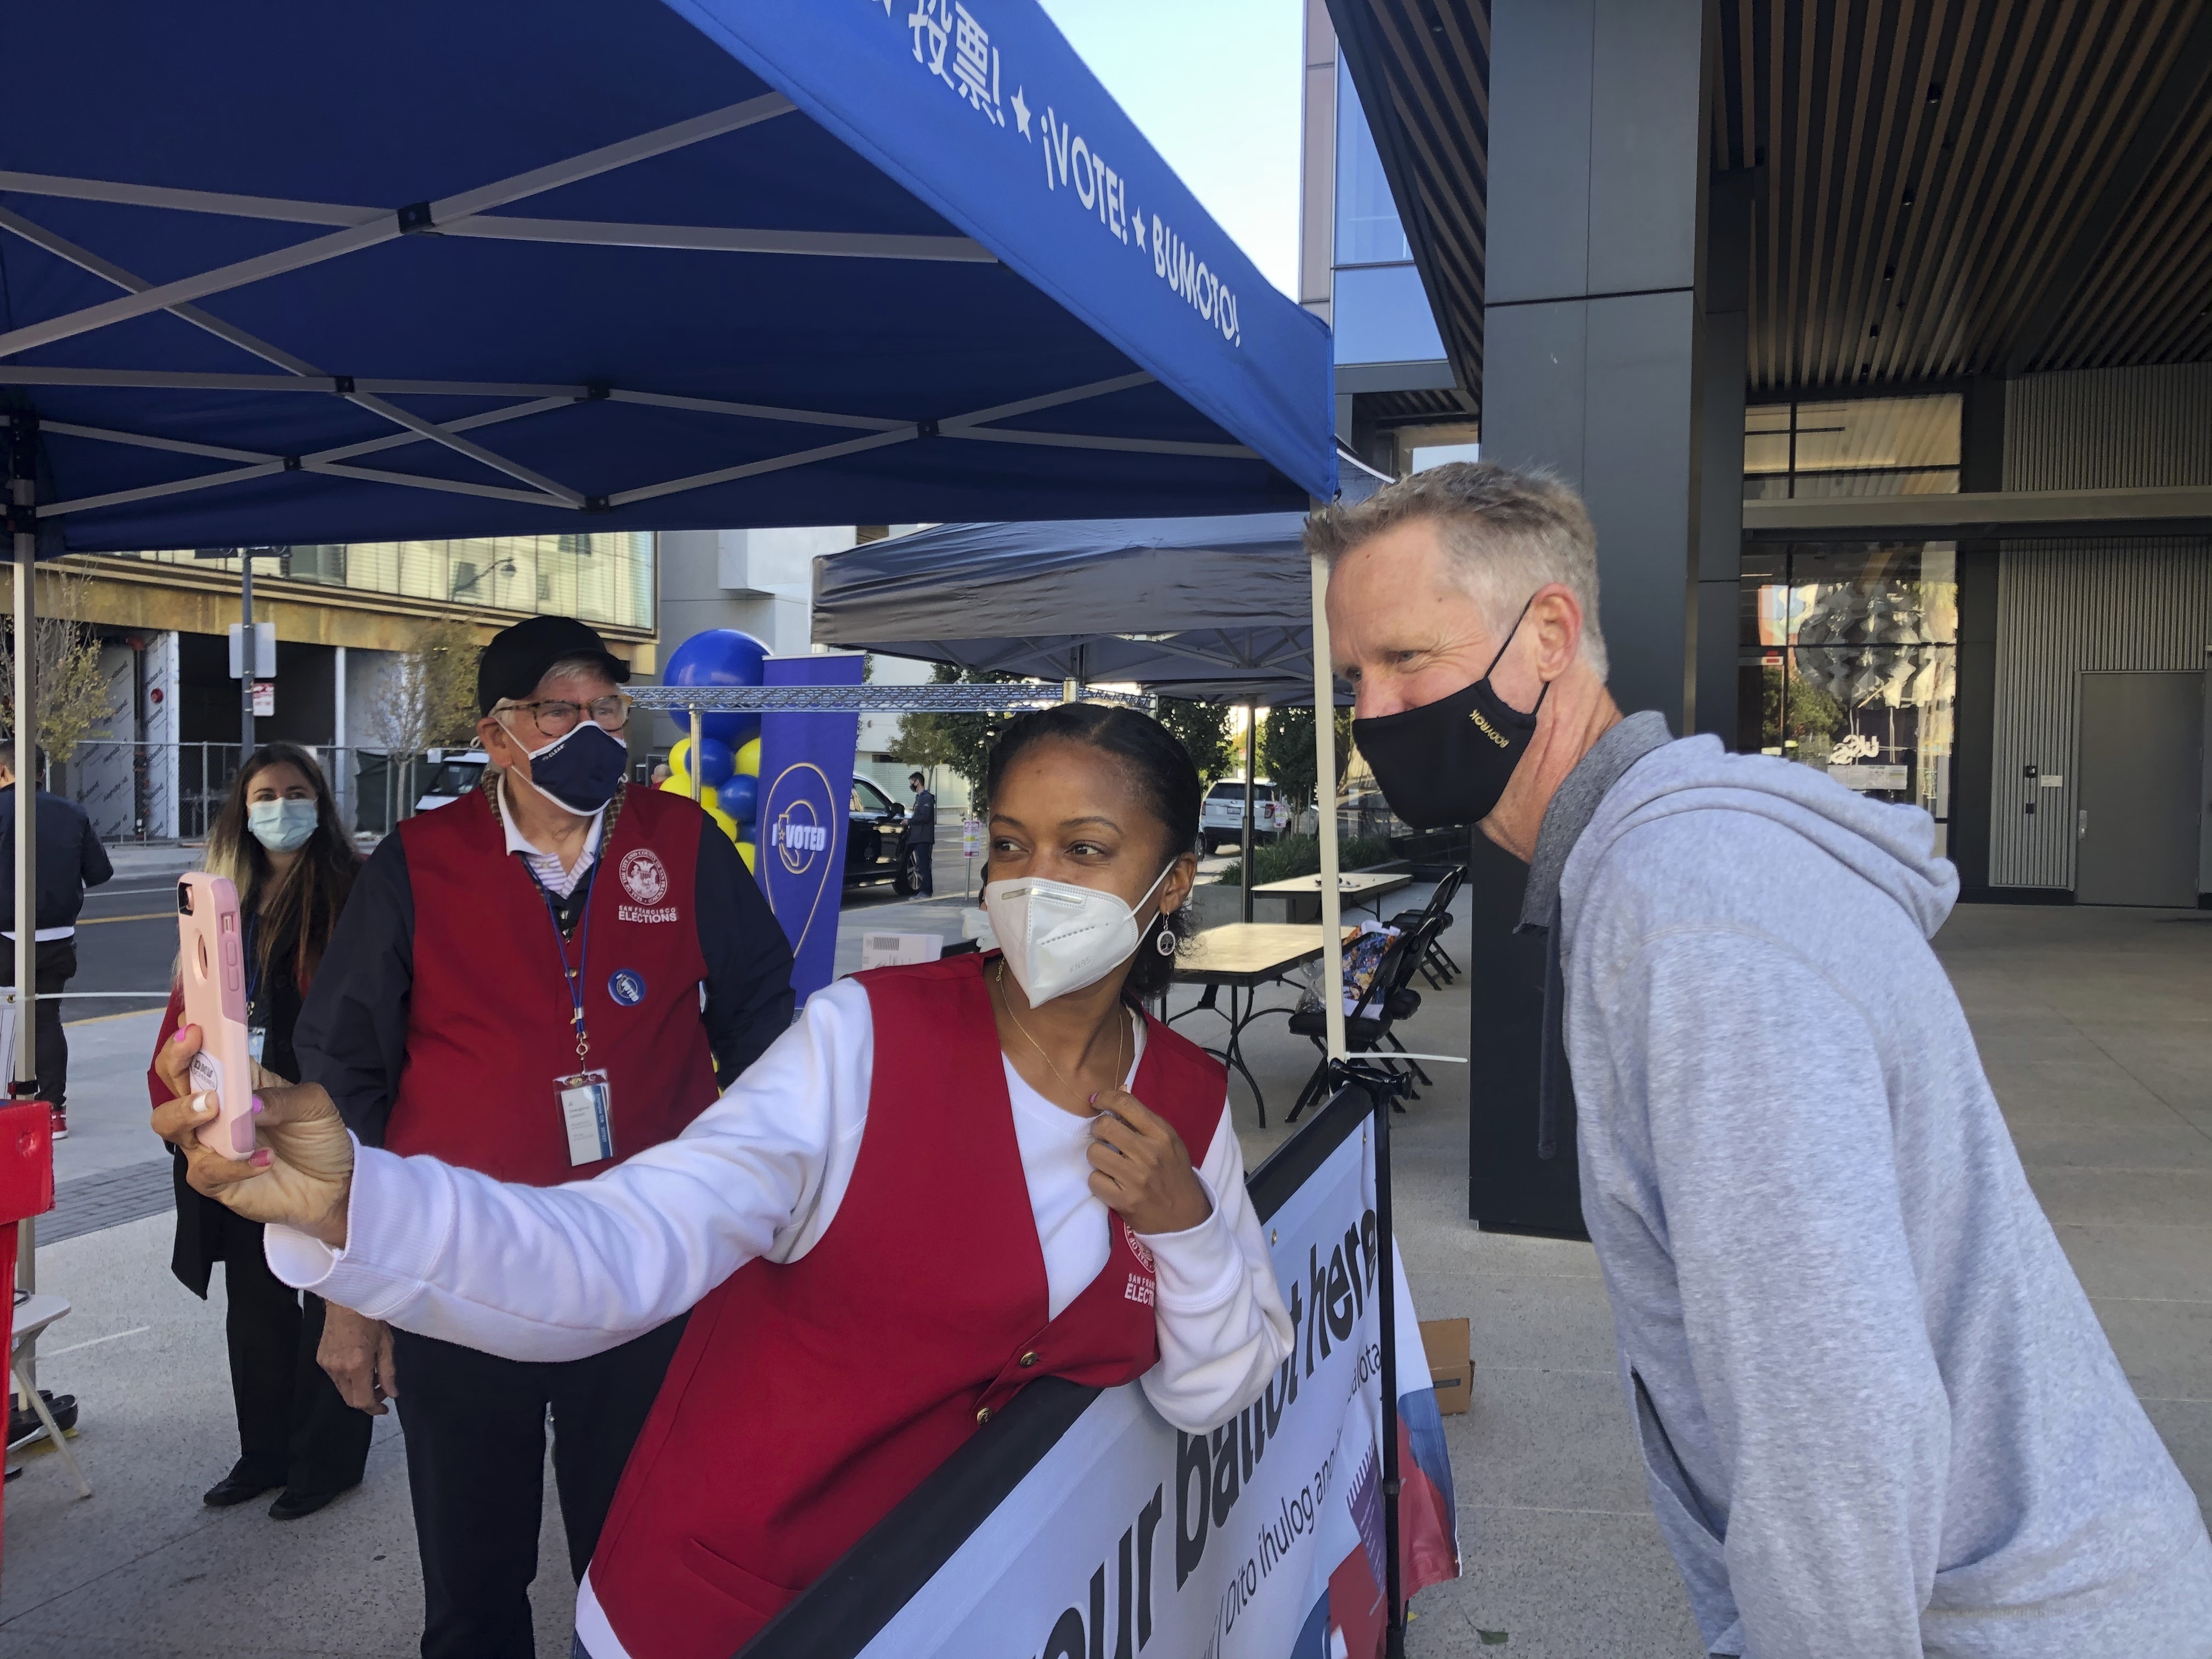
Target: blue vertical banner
[{"x": 806, "y": 788}]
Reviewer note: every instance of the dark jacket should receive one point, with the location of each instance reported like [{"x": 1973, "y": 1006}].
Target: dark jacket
[
  {"x": 921, "y": 827},
  {"x": 70, "y": 860},
  {"x": 352, "y": 1034}
]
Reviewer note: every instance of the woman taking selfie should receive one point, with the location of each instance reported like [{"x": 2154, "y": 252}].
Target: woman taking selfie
[
  {"x": 279, "y": 841},
  {"x": 980, "y": 1164}
]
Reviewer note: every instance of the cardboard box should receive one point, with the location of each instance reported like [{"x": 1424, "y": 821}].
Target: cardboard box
[{"x": 1450, "y": 1348}]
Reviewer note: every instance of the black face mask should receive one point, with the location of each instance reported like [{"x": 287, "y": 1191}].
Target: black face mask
[{"x": 1447, "y": 761}]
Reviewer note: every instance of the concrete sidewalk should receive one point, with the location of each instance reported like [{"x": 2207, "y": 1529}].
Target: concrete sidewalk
[{"x": 2096, "y": 1026}]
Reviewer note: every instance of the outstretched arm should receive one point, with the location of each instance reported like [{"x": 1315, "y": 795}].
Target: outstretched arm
[{"x": 557, "y": 1272}]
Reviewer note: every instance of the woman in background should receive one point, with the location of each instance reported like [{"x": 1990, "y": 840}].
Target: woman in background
[{"x": 279, "y": 839}]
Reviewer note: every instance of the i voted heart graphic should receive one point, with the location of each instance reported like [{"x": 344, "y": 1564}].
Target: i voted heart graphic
[{"x": 801, "y": 852}]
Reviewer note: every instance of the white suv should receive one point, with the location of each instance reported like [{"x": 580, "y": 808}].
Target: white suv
[{"x": 1221, "y": 820}]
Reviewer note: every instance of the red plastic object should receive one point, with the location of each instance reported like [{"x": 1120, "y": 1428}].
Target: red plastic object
[{"x": 27, "y": 1160}]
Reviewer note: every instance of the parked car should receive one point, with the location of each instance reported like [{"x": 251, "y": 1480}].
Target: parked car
[
  {"x": 455, "y": 773},
  {"x": 875, "y": 836},
  {"x": 1221, "y": 820}
]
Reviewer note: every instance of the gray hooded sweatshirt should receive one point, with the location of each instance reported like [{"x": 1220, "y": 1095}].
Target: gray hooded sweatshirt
[{"x": 1878, "y": 1416}]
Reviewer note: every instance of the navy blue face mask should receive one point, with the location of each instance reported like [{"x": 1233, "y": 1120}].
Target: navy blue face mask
[{"x": 579, "y": 773}]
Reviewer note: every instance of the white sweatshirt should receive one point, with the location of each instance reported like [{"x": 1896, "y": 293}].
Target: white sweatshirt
[{"x": 558, "y": 1273}]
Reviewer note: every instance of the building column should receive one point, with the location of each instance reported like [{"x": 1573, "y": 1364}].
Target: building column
[
  {"x": 1594, "y": 314},
  {"x": 1724, "y": 367},
  {"x": 1594, "y": 365},
  {"x": 1974, "y": 710}
]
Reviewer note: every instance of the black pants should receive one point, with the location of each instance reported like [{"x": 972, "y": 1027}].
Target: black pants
[
  {"x": 294, "y": 1430},
  {"x": 922, "y": 862},
  {"x": 57, "y": 966},
  {"x": 475, "y": 1461}
]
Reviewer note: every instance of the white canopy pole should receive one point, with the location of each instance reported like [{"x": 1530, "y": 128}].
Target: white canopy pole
[
  {"x": 1332, "y": 914},
  {"x": 22, "y": 495}
]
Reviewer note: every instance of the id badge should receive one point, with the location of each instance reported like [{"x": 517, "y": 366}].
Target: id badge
[
  {"x": 586, "y": 1103},
  {"x": 256, "y": 1038}
]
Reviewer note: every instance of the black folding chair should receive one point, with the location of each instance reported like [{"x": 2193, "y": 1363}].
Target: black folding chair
[
  {"x": 1436, "y": 959},
  {"x": 1367, "y": 1027}
]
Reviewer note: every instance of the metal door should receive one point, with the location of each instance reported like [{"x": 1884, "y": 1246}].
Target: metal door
[{"x": 2140, "y": 775}]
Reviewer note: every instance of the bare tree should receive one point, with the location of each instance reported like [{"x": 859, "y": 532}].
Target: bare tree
[
  {"x": 72, "y": 694},
  {"x": 430, "y": 697}
]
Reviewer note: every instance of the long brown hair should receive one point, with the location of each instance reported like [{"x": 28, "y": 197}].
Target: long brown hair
[{"x": 309, "y": 900}]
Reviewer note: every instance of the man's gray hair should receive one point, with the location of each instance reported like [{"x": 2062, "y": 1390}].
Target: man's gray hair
[{"x": 1507, "y": 534}]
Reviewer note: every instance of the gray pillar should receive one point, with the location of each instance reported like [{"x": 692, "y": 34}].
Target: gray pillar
[
  {"x": 1593, "y": 364},
  {"x": 1973, "y": 725},
  {"x": 1723, "y": 363},
  {"x": 1593, "y": 319}
]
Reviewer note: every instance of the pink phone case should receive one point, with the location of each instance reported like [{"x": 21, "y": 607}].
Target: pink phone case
[{"x": 211, "y": 959}]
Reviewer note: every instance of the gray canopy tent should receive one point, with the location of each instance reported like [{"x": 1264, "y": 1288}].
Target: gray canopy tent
[{"x": 1218, "y": 608}]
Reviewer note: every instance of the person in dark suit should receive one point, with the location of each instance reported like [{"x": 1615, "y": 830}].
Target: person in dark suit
[
  {"x": 280, "y": 840},
  {"x": 921, "y": 838},
  {"x": 70, "y": 860}
]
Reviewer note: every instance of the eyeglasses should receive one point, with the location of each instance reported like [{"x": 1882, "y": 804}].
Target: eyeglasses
[{"x": 555, "y": 719}]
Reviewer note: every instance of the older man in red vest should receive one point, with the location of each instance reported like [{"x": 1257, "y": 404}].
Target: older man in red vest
[{"x": 544, "y": 978}]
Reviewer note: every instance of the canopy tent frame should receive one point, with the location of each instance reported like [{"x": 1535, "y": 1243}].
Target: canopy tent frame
[{"x": 1257, "y": 377}]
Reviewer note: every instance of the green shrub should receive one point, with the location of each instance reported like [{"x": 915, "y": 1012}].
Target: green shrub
[{"x": 1300, "y": 855}]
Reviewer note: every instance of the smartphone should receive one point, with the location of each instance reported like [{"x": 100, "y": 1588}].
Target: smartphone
[{"x": 211, "y": 959}]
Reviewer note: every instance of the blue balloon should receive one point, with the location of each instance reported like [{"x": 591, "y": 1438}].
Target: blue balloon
[
  {"x": 714, "y": 763},
  {"x": 740, "y": 798},
  {"x": 717, "y": 656}
]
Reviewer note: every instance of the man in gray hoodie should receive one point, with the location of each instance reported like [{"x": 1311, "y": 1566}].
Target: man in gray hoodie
[{"x": 1877, "y": 1414}]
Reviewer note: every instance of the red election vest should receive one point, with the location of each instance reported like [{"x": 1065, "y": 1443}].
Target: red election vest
[
  {"x": 809, "y": 1398},
  {"x": 488, "y": 1026}
]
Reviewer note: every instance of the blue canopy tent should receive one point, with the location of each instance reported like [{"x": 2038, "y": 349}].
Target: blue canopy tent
[
  {"x": 273, "y": 274},
  {"x": 276, "y": 274}
]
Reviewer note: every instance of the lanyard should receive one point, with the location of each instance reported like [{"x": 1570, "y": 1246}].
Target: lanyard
[
  {"x": 252, "y": 967},
  {"x": 573, "y": 977}
]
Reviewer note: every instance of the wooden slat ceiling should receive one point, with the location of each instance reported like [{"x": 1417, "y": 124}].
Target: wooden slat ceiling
[{"x": 1945, "y": 187}]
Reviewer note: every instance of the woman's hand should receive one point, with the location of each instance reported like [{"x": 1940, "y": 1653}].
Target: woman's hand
[
  {"x": 1140, "y": 1167},
  {"x": 301, "y": 1173}
]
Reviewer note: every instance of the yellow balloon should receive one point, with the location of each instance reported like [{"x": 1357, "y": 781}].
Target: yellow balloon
[
  {"x": 710, "y": 804},
  {"x": 748, "y": 852},
  {"x": 729, "y": 825},
  {"x": 749, "y": 758},
  {"x": 679, "y": 758},
  {"x": 677, "y": 785}
]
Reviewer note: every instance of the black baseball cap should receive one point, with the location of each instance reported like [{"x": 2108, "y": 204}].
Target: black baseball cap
[{"x": 518, "y": 657}]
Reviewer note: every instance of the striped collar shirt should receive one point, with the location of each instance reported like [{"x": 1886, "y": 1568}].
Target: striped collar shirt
[{"x": 546, "y": 866}]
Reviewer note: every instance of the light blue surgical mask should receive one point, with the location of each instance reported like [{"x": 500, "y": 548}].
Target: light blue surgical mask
[{"x": 281, "y": 826}]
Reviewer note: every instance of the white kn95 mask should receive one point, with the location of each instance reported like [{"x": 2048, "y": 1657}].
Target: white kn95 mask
[{"x": 1057, "y": 937}]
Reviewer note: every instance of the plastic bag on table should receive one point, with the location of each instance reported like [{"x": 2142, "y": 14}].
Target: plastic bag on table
[{"x": 1363, "y": 958}]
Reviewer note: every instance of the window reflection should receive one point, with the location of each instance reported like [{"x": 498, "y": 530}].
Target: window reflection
[
  {"x": 1848, "y": 663},
  {"x": 1861, "y": 447}
]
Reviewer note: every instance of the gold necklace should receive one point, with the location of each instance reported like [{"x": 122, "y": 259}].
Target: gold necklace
[{"x": 1120, "y": 1071}]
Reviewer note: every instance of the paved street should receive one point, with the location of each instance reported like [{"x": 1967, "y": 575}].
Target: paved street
[{"x": 2095, "y": 1027}]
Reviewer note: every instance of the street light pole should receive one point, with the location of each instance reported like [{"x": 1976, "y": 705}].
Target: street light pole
[{"x": 248, "y": 658}]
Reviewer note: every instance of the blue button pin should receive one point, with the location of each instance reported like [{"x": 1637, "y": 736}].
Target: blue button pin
[{"x": 626, "y": 987}]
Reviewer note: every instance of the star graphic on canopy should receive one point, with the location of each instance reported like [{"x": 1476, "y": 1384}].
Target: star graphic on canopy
[
  {"x": 1138, "y": 216},
  {"x": 1022, "y": 114}
]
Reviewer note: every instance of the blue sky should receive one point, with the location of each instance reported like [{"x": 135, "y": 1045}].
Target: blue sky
[{"x": 1214, "y": 85}]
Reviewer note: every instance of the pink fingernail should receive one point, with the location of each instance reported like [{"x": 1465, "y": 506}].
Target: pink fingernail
[
  {"x": 179, "y": 1035},
  {"x": 257, "y": 1105},
  {"x": 260, "y": 1160},
  {"x": 1093, "y": 1101}
]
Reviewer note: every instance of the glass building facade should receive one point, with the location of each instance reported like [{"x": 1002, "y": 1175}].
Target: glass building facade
[
  {"x": 606, "y": 580},
  {"x": 1848, "y": 651}
]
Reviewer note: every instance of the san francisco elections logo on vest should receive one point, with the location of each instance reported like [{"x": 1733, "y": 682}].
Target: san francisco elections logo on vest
[
  {"x": 1138, "y": 1247},
  {"x": 644, "y": 878}
]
